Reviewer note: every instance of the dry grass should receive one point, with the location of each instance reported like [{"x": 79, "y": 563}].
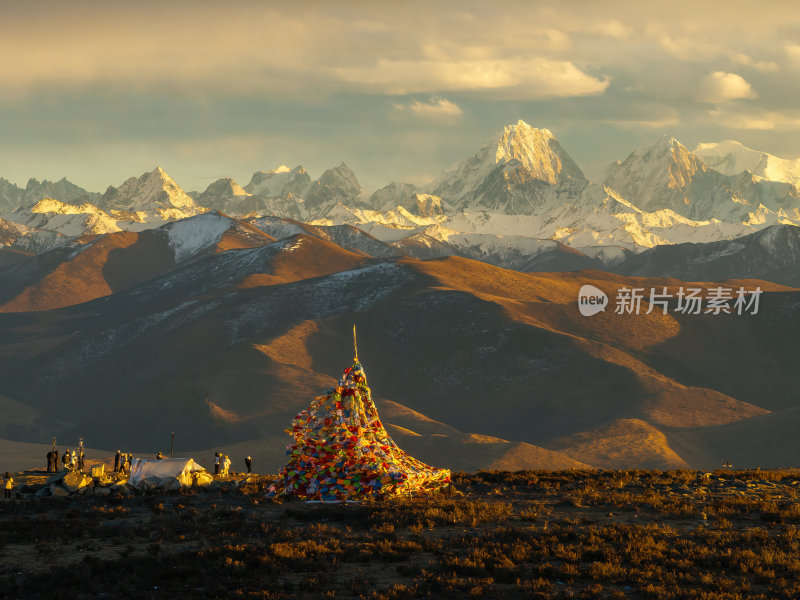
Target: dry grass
[{"x": 524, "y": 534}]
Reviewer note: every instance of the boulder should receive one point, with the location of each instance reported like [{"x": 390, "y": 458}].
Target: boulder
[
  {"x": 75, "y": 480},
  {"x": 102, "y": 491},
  {"x": 121, "y": 488},
  {"x": 150, "y": 483},
  {"x": 203, "y": 478},
  {"x": 104, "y": 481},
  {"x": 43, "y": 492},
  {"x": 57, "y": 477},
  {"x": 169, "y": 483},
  {"x": 58, "y": 491}
]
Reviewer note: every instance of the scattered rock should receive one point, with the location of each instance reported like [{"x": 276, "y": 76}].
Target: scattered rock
[
  {"x": 57, "y": 477},
  {"x": 203, "y": 478},
  {"x": 170, "y": 483},
  {"x": 74, "y": 480},
  {"x": 58, "y": 491},
  {"x": 122, "y": 488}
]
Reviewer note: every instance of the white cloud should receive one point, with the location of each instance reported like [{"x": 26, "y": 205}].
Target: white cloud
[
  {"x": 792, "y": 51},
  {"x": 436, "y": 108},
  {"x": 754, "y": 119},
  {"x": 657, "y": 123},
  {"x": 765, "y": 66},
  {"x": 720, "y": 86},
  {"x": 688, "y": 48},
  {"x": 612, "y": 29},
  {"x": 515, "y": 77}
]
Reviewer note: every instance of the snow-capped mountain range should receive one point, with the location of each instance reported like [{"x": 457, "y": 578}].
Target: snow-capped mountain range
[
  {"x": 519, "y": 196},
  {"x": 730, "y": 158}
]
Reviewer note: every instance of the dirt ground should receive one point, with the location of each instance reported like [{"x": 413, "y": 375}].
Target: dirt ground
[{"x": 593, "y": 534}]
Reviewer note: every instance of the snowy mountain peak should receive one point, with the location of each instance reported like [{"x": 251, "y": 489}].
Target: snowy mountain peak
[
  {"x": 188, "y": 237},
  {"x": 341, "y": 177},
  {"x": 226, "y": 187},
  {"x": 538, "y": 151},
  {"x": 154, "y": 193},
  {"x": 644, "y": 177},
  {"x": 669, "y": 141},
  {"x": 65, "y": 218},
  {"x": 667, "y": 175},
  {"x": 658, "y": 177},
  {"x": 667, "y": 148},
  {"x": 51, "y": 205},
  {"x": 13, "y": 197},
  {"x": 523, "y": 154},
  {"x": 279, "y": 182},
  {"x": 336, "y": 186},
  {"x": 731, "y": 158},
  {"x": 391, "y": 195}
]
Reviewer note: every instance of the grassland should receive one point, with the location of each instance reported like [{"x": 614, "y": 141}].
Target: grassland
[{"x": 525, "y": 534}]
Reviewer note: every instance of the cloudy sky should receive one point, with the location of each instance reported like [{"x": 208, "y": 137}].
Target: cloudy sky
[{"x": 101, "y": 91}]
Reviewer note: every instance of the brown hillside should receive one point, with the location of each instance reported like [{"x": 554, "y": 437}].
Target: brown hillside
[
  {"x": 470, "y": 452},
  {"x": 111, "y": 263},
  {"x": 621, "y": 444},
  {"x": 232, "y": 345},
  {"x": 304, "y": 257},
  {"x": 243, "y": 235},
  {"x": 767, "y": 441},
  {"x": 73, "y": 281}
]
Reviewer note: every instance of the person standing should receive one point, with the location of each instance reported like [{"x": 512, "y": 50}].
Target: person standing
[
  {"x": 248, "y": 462},
  {"x": 65, "y": 459},
  {"x": 9, "y": 485},
  {"x": 217, "y": 459},
  {"x": 80, "y": 460},
  {"x": 116, "y": 461},
  {"x": 73, "y": 460},
  {"x": 226, "y": 464}
]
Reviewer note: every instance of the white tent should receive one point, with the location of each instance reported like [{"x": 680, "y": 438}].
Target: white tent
[{"x": 167, "y": 472}]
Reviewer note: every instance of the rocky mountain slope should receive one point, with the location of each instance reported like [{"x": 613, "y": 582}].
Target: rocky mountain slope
[
  {"x": 772, "y": 254},
  {"x": 668, "y": 176},
  {"x": 236, "y": 333}
]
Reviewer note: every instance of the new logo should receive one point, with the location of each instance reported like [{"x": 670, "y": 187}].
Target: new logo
[{"x": 591, "y": 300}]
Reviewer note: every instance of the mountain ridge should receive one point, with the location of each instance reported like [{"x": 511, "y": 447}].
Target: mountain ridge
[{"x": 520, "y": 183}]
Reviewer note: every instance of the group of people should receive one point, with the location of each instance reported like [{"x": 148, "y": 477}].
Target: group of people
[
  {"x": 71, "y": 460},
  {"x": 222, "y": 464},
  {"x": 122, "y": 462}
]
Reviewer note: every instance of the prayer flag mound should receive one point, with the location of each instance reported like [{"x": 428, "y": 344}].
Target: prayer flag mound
[{"x": 342, "y": 451}]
